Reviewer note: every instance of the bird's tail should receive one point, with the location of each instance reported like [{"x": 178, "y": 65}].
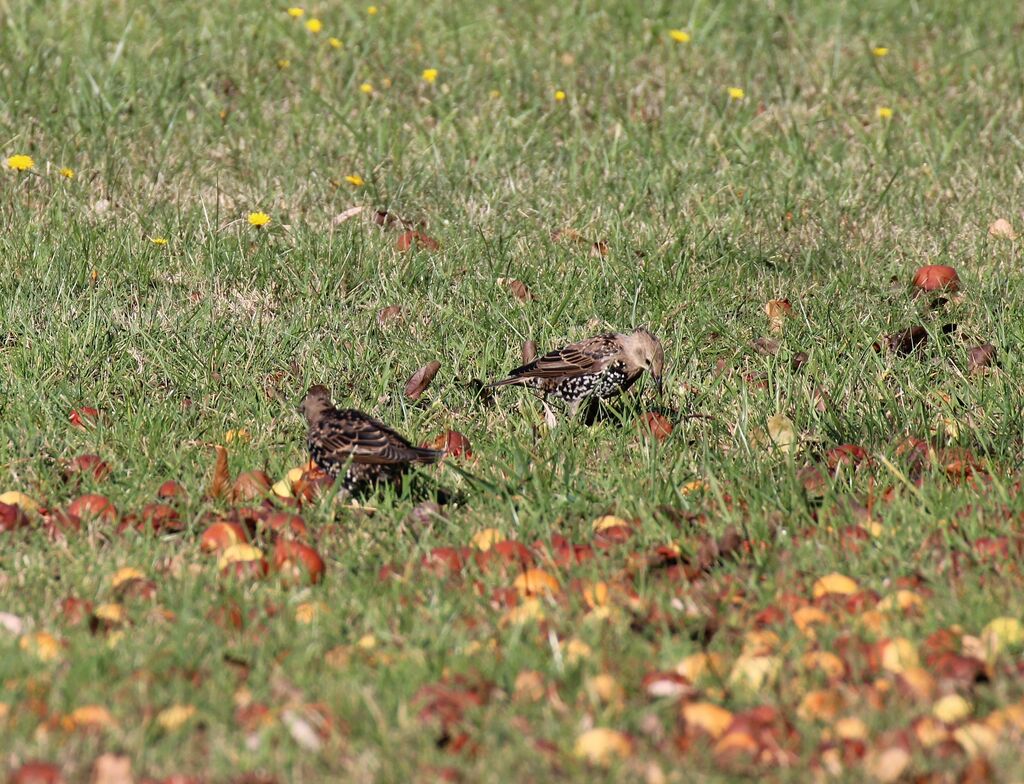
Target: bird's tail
[
  {"x": 507, "y": 382},
  {"x": 427, "y": 455}
]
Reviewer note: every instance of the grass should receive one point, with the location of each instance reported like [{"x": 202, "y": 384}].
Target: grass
[{"x": 181, "y": 119}]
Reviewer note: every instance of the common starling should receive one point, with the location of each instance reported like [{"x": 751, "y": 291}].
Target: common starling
[
  {"x": 367, "y": 450},
  {"x": 599, "y": 367}
]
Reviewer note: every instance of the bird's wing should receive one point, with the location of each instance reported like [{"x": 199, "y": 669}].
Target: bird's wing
[
  {"x": 576, "y": 359},
  {"x": 355, "y": 436}
]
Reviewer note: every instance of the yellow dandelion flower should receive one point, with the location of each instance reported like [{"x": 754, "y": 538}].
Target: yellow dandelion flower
[
  {"x": 314, "y": 25},
  {"x": 258, "y": 219},
  {"x": 495, "y": 93},
  {"x": 559, "y": 95},
  {"x": 355, "y": 179},
  {"x": 372, "y": 10},
  {"x": 335, "y": 43},
  {"x": 67, "y": 173},
  {"x": 158, "y": 240},
  {"x": 294, "y": 12},
  {"x": 430, "y": 75},
  {"x": 736, "y": 93},
  {"x": 21, "y": 162},
  {"x": 880, "y": 51},
  {"x": 366, "y": 88},
  {"x": 284, "y": 63},
  {"x": 680, "y": 36},
  {"x": 884, "y": 112}
]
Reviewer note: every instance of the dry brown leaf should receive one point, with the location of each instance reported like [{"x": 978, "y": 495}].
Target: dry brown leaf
[
  {"x": 567, "y": 235},
  {"x": 777, "y": 310},
  {"x": 599, "y": 249},
  {"x": 981, "y": 357},
  {"x": 421, "y": 379},
  {"x": 905, "y": 342},
  {"x": 529, "y": 352},
  {"x": 346, "y": 215},
  {"x": 389, "y": 314},
  {"x": 1002, "y": 229},
  {"x": 765, "y": 346},
  {"x": 518, "y": 288},
  {"x": 408, "y": 239},
  {"x": 221, "y": 476}
]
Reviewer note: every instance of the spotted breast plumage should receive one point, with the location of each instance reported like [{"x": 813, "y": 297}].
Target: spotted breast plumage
[
  {"x": 369, "y": 451},
  {"x": 602, "y": 366}
]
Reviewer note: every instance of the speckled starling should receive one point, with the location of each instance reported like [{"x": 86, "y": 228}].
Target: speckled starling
[
  {"x": 348, "y": 440},
  {"x": 599, "y": 367}
]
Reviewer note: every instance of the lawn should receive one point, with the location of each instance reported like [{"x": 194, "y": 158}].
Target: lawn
[{"x": 808, "y": 568}]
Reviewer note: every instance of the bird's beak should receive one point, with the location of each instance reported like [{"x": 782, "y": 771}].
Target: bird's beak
[{"x": 657, "y": 384}]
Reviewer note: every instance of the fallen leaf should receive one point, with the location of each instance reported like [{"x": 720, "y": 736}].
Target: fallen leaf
[
  {"x": 43, "y": 645},
  {"x": 302, "y": 731},
  {"x": 89, "y": 716},
  {"x": 599, "y": 249},
  {"x": 408, "y": 239},
  {"x": 86, "y": 416},
  {"x": 11, "y": 623},
  {"x": 421, "y": 379},
  {"x": 1002, "y": 229},
  {"x": 905, "y": 342},
  {"x": 485, "y": 539},
  {"x": 389, "y": 314},
  {"x": 346, "y": 215},
  {"x": 37, "y": 772},
  {"x": 602, "y": 746},
  {"x": 12, "y": 517},
  {"x": 175, "y": 716},
  {"x": 1000, "y": 634},
  {"x": 655, "y": 425},
  {"x": 976, "y": 739},
  {"x": 754, "y": 673},
  {"x": 536, "y": 581},
  {"x": 898, "y": 654},
  {"x": 518, "y": 288},
  {"x": 250, "y": 486},
  {"x": 605, "y": 522},
  {"x": 834, "y": 583},
  {"x": 951, "y": 709},
  {"x": 887, "y": 765},
  {"x": 20, "y": 500},
  {"x": 707, "y": 717},
  {"x": 529, "y": 687},
  {"x": 782, "y": 433},
  {"x": 605, "y": 689},
  {"x": 93, "y": 506},
  {"x": 87, "y": 465},
  {"x": 221, "y": 480},
  {"x": 980, "y": 357},
  {"x": 453, "y": 443},
  {"x": 777, "y": 310},
  {"x": 112, "y": 769},
  {"x": 765, "y": 346}
]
